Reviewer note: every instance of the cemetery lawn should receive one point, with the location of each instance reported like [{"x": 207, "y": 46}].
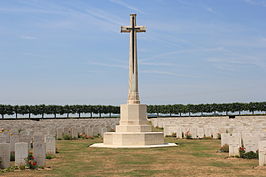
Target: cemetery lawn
[{"x": 190, "y": 158}]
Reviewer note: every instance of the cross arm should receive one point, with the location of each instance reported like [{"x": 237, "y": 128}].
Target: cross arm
[
  {"x": 141, "y": 28},
  {"x": 127, "y": 29}
]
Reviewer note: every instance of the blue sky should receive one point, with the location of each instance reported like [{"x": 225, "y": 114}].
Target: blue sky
[{"x": 72, "y": 52}]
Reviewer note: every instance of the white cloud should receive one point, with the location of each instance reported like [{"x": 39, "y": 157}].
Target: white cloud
[
  {"x": 103, "y": 15},
  {"x": 126, "y": 5}
]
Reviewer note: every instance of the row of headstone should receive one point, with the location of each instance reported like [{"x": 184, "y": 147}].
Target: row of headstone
[
  {"x": 244, "y": 131},
  {"x": 12, "y": 131},
  {"x": 255, "y": 143},
  {"x": 194, "y": 132},
  {"x": 210, "y": 127},
  {"x": 41, "y": 146},
  {"x": 96, "y": 130},
  {"x": 218, "y": 122}
]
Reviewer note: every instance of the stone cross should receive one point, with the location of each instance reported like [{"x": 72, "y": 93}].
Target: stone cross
[{"x": 133, "y": 93}]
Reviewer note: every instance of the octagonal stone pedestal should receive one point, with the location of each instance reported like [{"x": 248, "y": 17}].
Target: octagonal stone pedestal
[
  {"x": 133, "y": 138},
  {"x": 133, "y": 131}
]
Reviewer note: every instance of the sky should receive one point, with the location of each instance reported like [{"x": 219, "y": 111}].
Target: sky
[{"x": 72, "y": 51}]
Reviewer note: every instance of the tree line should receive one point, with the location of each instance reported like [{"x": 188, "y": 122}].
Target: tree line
[
  {"x": 176, "y": 109},
  {"x": 207, "y": 108},
  {"x": 57, "y": 110}
]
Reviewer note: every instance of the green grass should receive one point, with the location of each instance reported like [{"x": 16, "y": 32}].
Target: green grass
[{"x": 190, "y": 158}]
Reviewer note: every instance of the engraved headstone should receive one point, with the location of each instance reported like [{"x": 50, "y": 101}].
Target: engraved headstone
[
  {"x": 4, "y": 155},
  {"x": 96, "y": 131},
  {"x": 208, "y": 132},
  {"x": 50, "y": 144},
  {"x": 74, "y": 133},
  {"x": 21, "y": 153},
  {"x": 234, "y": 145},
  {"x": 89, "y": 131},
  {"x": 194, "y": 132},
  {"x": 39, "y": 152},
  {"x": 250, "y": 143},
  {"x": 59, "y": 133},
  {"x": 262, "y": 153},
  {"x": 200, "y": 132},
  {"x": 224, "y": 139},
  {"x": 178, "y": 133}
]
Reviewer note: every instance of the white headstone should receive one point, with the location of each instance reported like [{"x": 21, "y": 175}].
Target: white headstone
[
  {"x": 50, "y": 144},
  {"x": 59, "y": 133},
  {"x": 262, "y": 153},
  {"x": 21, "y": 153},
  {"x": 39, "y": 153},
  {"x": 4, "y": 155},
  {"x": 250, "y": 143},
  {"x": 208, "y": 132},
  {"x": 178, "y": 133},
  {"x": 224, "y": 139},
  {"x": 89, "y": 131},
  {"x": 96, "y": 131},
  {"x": 194, "y": 132},
  {"x": 200, "y": 132},
  {"x": 74, "y": 132},
  {"x": 234, "y": 145}
]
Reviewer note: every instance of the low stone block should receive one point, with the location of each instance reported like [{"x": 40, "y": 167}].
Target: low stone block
[{"x": 131, "y": 138}]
